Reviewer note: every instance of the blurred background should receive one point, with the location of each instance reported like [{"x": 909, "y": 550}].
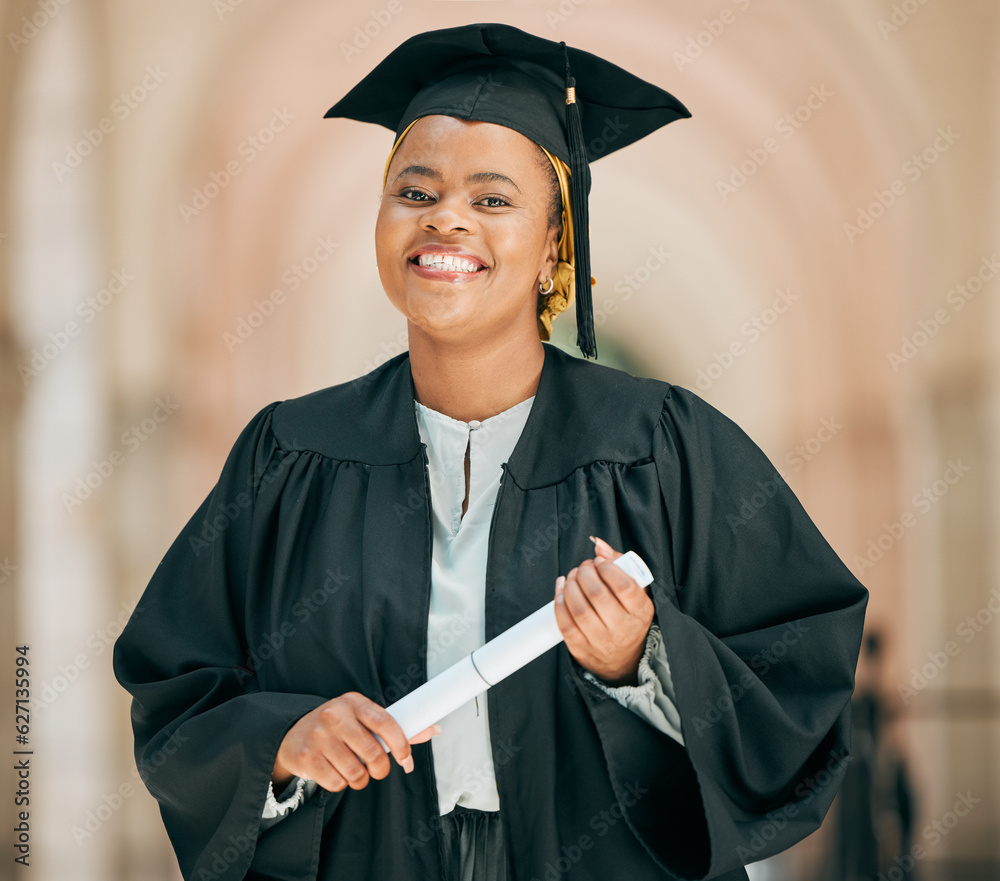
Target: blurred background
[{"x": 184, "y": 239}]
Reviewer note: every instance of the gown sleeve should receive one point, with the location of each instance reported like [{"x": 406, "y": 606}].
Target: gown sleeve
[
  {"x": 206, "y": 736},
  {"x": 762, "y": 624}
]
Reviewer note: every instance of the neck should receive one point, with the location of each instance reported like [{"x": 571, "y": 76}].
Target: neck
[{"x": 474, "y": 382}]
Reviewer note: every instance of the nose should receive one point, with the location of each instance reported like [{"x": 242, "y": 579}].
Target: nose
[{"x": 449, "y": 215}]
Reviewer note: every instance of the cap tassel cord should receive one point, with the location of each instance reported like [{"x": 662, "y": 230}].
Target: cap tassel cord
[{"x": 580, "y": 187}]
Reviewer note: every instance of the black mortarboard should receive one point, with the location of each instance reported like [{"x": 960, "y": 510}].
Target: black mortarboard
[{"x": 575, "y": 105}]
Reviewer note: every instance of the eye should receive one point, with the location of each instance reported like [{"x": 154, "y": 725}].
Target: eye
[
  {"x": 494, "y": 202},
  {"x": 414, "y": 195}
]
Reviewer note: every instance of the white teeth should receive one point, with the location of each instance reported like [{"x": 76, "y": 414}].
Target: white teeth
[{"x": 447, "y": 262}]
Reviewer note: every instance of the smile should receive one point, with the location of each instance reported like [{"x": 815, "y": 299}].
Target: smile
[{"x": 447, "y": 263}]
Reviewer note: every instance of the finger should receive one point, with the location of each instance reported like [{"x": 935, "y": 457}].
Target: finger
[
  {"x": 377, "y": 721},
  {"x": 567, "y": 626},
  {"x": 577, "y": 601},
  {"x": 602, "y": 550},
  {"x": 607, "y": 609},
  {"x": 349, "y": 764},
  {"x": 346, "y": 741},
  {"x": 325, "y": 775},
  {"x": 426, "y": 734},
  {"x": 633, "y": 599}
]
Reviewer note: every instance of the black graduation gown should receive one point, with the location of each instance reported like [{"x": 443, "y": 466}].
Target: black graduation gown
[{"x": 306, "y": 574}]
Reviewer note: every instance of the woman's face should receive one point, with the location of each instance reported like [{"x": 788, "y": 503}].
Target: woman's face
[{"x": 462, "y": 238}]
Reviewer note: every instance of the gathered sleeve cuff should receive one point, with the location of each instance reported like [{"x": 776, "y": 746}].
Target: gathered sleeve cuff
[
  {"x": 653, "y": 698},
  {"x": 291, "y": 797}
]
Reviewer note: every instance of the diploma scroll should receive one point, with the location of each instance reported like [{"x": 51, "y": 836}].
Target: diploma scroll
[{"x": 487, "y": 665}]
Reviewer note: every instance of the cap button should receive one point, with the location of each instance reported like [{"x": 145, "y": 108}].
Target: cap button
[{"x": 474, "y": 424}]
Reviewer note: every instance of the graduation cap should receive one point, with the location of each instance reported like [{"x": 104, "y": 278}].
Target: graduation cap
[{"x": 576, "y": 106}]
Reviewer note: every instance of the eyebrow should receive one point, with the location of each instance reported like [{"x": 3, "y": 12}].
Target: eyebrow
[{"x": 475, "y": 178}]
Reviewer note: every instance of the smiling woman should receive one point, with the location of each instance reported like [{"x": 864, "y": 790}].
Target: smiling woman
[{"x": 454, "y": 491}]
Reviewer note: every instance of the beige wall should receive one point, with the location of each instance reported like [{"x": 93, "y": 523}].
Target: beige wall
[{"x": 207, "y": 80}]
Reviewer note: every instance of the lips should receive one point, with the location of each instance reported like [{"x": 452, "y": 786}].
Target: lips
[
  {"x": 435, "y": 259},
  {"x": 448, "y": 262}
]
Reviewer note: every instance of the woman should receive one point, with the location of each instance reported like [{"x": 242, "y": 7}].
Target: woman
[{"x": 362, "y": 538}]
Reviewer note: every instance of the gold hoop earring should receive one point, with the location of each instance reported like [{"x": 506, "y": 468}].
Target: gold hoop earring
[{"x": 544, "y": 293}]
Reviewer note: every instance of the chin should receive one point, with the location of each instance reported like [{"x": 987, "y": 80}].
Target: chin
[
  {"x": 446, "y": 331},
  {"x": 440, "y": 307}
]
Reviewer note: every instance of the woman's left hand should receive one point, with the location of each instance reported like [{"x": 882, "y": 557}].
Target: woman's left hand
[{"x": 604, "y": 617}]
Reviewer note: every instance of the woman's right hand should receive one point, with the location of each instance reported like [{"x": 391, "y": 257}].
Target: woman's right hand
[{"x": 335, "y": 745}]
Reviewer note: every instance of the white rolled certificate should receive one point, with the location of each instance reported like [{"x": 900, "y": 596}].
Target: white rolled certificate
[{"x": 487, "y": 665}]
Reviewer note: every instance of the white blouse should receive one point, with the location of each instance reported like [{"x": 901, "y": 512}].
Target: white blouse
[{"x": 463, "y": 757}]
